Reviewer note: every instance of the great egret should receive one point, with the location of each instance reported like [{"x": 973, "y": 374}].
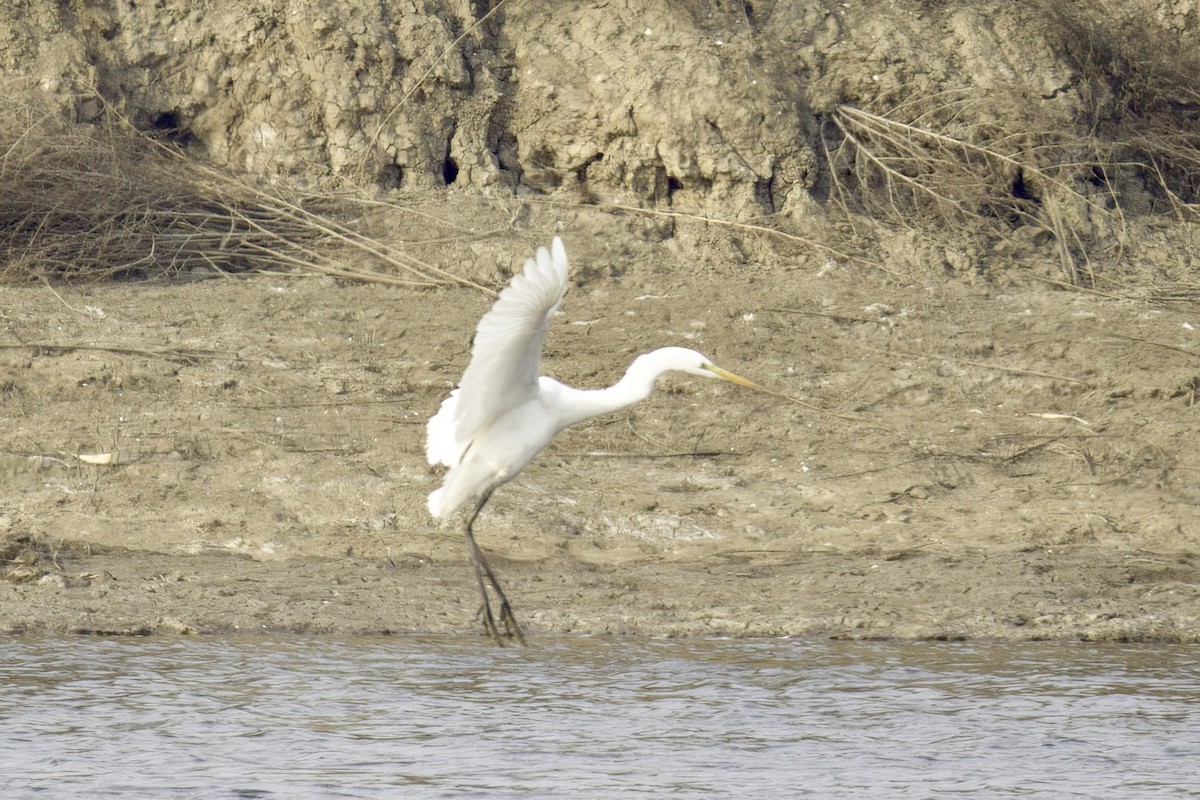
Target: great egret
[{"x": 502, "y": 414}]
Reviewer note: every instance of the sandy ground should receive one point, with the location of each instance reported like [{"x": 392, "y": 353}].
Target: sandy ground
[{"x": 953, "y": 457}]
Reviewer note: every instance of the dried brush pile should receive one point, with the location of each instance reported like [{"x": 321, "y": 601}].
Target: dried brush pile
[
  {"x": 964, "y": 161},
  {"x": 933, "y": 165},
  {"x": 89, "y": 202}
]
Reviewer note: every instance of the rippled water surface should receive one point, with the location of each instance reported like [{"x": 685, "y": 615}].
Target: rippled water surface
[{"x": 594, "y": 717}]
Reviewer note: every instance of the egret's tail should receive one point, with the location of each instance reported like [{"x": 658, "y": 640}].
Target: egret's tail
[
  {"x": 435, "y": 502},
  {"x": 441, "y": 445},
  {"x": 470, "y": 479}
]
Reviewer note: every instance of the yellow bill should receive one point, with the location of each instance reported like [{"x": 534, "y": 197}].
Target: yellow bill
[{"x": 729, "y": 376}]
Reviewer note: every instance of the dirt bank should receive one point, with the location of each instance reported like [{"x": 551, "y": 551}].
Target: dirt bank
[
  {"x": 969, "y": 460},
  {"x": 979, "y": 314}
]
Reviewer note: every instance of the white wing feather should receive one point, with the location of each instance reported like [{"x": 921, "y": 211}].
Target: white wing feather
[{"x": 503, "y": 370}]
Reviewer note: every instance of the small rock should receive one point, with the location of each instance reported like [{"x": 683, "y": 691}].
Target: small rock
[{"x": 173, "y": 625}]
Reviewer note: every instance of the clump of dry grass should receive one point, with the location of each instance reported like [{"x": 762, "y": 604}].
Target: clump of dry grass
[
  {"x": 81, "y": 202},
  {"x": 88, "y": 202}
]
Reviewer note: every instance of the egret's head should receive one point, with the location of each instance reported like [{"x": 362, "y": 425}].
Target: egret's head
[{"x": 685, "y": 360}]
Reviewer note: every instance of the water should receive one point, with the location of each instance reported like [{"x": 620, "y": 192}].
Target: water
[{"x": 594, "y": 717}]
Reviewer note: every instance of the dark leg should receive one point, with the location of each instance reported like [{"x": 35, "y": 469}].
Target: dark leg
[{"x": 484, "y": 570}]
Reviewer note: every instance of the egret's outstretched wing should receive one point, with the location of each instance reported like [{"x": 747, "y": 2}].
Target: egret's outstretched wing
[{"x": 503, "y": 371}]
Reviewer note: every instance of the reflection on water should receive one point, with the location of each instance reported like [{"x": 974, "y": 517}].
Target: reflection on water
[{"x": 594, "y": 717}]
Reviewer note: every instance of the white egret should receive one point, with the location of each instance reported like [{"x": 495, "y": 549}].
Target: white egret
[{"x": 502, "y": 414}]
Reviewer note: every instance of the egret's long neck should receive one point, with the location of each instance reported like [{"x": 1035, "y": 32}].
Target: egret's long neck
[{"x": 637, "y": 384}]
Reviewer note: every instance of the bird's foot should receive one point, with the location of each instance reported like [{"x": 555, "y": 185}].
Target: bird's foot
[{"x": 511, "y": 630}]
